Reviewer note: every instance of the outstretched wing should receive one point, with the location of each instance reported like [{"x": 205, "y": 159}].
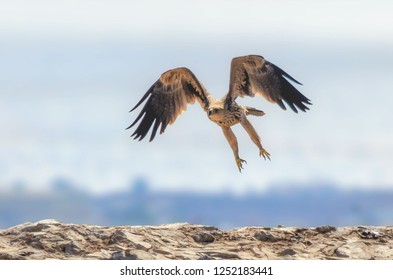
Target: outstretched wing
[
  {"x": 253, "y": 75},
  {"x": 167, "y": 99}
]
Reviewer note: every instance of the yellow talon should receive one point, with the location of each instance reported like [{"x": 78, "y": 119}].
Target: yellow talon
[
  {"x": 263, "y": 153},
  {"x": 239, "y": 163}
]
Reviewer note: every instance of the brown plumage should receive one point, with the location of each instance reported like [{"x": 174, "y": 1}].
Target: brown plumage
[{"x": 250, "y": 75}]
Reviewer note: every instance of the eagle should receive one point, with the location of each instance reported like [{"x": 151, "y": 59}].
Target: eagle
[{"x": 250, "y": 75}]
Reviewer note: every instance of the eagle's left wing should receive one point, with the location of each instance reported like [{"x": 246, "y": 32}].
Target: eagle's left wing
[{"x": 253, "y": 75}]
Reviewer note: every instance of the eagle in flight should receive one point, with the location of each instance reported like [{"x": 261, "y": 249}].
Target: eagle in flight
[{"x": 250, "y": 75}]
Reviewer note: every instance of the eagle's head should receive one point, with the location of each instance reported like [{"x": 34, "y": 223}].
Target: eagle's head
[{"x": 216, "y": 113}]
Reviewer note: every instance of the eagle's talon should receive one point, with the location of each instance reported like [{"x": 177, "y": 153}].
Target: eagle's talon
[
  {"x": 263, "y": 153},
  {"x": 239, "y": 163}
]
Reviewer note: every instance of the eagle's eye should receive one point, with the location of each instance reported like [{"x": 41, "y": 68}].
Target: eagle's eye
[{"x": 213, "y": 111}]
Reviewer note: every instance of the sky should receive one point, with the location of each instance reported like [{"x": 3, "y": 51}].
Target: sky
[{"x": 71, "y": 70}]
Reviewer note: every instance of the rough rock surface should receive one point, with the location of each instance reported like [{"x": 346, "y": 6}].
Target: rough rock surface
[{"x": 49, "y": 239}]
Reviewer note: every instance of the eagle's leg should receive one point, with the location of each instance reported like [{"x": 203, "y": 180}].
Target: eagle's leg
[
  {"x": 254, "y": 137},
  {"x": 231, "y": 138}
]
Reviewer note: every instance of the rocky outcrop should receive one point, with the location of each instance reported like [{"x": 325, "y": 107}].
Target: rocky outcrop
[{"x": 49, "y": 239}]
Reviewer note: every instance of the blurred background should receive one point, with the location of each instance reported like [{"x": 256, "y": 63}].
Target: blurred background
[{"x": 71, "y": 70}]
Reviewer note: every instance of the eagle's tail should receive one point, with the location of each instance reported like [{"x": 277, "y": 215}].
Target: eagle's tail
[{"x": 254, "y": 112}]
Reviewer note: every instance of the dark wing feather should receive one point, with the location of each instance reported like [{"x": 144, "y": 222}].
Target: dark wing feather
[
  {"x": 253, "y": 75},
  {"x": 167, "y": 98}
]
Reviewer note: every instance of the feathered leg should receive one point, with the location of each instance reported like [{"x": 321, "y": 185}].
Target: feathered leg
[
  {"x": 254, "y": 137},
  {"x": 232, "y": 140}
]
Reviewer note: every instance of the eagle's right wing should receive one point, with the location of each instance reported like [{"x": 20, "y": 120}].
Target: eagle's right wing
[{"x": 167, "y": 99}]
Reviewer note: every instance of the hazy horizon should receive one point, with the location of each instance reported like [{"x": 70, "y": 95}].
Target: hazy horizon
[{"x": 290, "y": 205}]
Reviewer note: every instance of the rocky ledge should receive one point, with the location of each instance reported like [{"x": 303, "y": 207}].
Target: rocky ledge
[{"x": 50, "y": 239}]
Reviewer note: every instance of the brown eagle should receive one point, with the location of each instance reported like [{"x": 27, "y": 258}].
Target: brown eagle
[{"x": 250, "y": 75}]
